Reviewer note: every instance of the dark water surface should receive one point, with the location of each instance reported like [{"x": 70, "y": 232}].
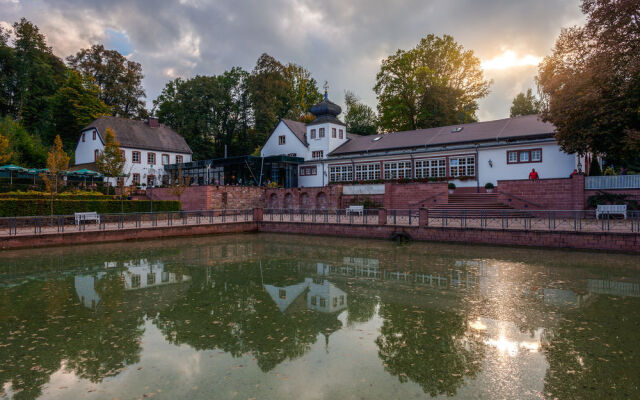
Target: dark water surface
[{"x": 290, "y": 317}]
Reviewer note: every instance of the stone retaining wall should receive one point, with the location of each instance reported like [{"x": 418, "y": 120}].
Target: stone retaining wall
[{"x": 548, "y": 194}]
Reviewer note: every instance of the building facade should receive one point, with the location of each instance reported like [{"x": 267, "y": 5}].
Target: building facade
[
  {"x": 147, "y": 147},
  {"x": 467, "y": 154}
]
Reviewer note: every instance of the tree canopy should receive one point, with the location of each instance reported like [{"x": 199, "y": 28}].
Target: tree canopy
[
  {"x": 591, "y": 82},
  {"x": 525, "y": 104},
  {"x": 359, "y": 117},
  {"x": 436, "y": 83}
]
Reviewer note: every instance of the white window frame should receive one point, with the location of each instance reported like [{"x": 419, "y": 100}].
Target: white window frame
[
  {"x": 313, "y": 133},
  {"x": 462, "y": 166},
  {"x": 367, "y": 172},
  {"x": 400, "y": 169},
  {"x": 341, "y": 173},
  {"x": 282, "y": 139},
  {"x": 317, "y": 154},
  {"x": 430, "y": 168},
  {"x": 320, "y": 132},
  {"x": 539, "y": 153}
]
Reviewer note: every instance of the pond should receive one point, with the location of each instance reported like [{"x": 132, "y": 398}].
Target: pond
[{"x": 267, "y": 316}]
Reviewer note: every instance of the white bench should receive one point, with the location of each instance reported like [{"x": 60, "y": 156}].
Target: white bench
[
  {"x": 355, "y": 210},
  {"x": 87, "y": 216},
  {"x": 611, "y": 209}
]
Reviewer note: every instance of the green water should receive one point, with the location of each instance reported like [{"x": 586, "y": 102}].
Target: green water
[{"x": 291, "y": 317}]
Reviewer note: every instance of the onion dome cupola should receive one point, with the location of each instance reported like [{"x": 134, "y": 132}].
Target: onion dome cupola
[{"x": 326, "y": 111}]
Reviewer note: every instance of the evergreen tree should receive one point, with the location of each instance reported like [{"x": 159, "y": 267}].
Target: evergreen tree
[
  {"x": 525, "y": 104},
  {"x": 359, "y": 117}
]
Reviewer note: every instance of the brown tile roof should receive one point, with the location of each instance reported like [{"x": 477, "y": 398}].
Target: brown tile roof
[
  {"x": 139, "y": 135},
  {"x": 524, "y": 127},
  {"x": 298, "y": 128}
]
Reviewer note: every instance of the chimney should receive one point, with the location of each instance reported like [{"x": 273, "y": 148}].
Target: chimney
[{"x": 153, "y": 122}]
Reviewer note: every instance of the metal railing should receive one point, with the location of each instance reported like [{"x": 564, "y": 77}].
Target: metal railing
[
  {"x": 14, "y": 226},
  {"x": 324, "y": 216},
  {"x": 612, "y": 182}
]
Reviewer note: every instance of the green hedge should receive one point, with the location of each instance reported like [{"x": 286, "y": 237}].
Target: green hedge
[
  {"x": 22, "y": 207},
  {"x": 62, "y": 196}
]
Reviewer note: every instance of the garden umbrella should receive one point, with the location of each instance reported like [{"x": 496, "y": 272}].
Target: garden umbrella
[
  {"x": 35, "y": 172},
  {"x": 86, "y": 173},
  {"x": 11, "y": 169}
]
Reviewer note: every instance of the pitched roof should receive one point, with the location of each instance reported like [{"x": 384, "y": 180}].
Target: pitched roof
[
  {"x": 298, "y": 128},
  {"x": 524, "y": 127},
  {"x": 139, "y": 135}
]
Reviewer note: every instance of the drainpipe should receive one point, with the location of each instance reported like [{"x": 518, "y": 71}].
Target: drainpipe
[{"x": 477, "y": 171}]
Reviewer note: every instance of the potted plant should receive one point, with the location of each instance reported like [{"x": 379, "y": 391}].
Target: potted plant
[
  {"x": 489, "y": 187},
  {"x": 452, "y": 187}
]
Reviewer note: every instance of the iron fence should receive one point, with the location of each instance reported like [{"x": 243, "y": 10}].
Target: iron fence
[
  {"x": 326, "y": 216},
  {"x": 13, "y": 226}
]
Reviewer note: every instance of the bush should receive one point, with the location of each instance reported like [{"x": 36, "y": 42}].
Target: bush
[
  {"x": 489, "y": 185},
  {"x": 451, "y": 186},
  {"x": 22, "y": 207},
  {"x": 612, "y": 198},
  {"x": 33, "y": 194}
]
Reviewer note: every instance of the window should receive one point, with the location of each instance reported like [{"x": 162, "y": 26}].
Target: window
[
  {"x": 323, "y": 302},
  {"x": 397, "y": 170},
  {"x": 462, "y": 166},
  {"x": 136, "y": 179},
  {"x": 151, "y": 158},
  {"x": 317, "y": 154},
  {"x": 151, "y": 180},
  {"x": 341, "y": 134},
  {"x": 308, "y": 171},
  {"x": 178, "y": 159},
  {"x": 367, "y": 172},
  {"x": 165, "y": 159},
  {"x": 151, "y": 278},
  {"x": 524, "y": 156},
  {"x": 96, "y": 154},
  {"x": 341, "y": 299},
  {"x": 282, "y": 293},
  {"x": 124, "y": 155},
  {"x": 321, "y": 132},
  {"x": 341, "y": 173},
  {"x": 83, "y": 136},
  {"x": 282, "y": 139},
  {"x": 333, "y": 133},
  {"x": 135, "y": 281},
  {"x": 313, "y": 134},
  {"x": 335, "y": 301},
  {"x": 292, "y": 155},
  {"x": 431, "y": 168},
  {"x": 135, "y": 157},
  {"x": 313, "y": 300},
  {"x": 94, "y": 135}
]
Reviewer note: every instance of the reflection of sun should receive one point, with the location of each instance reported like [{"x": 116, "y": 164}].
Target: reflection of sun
[{"x": 509, "y": 59}]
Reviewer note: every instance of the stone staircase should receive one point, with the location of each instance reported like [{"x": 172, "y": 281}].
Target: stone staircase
[{"x": 469, "y": 202}]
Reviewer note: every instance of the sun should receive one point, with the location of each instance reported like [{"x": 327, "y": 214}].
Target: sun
[{"x": 509, "y": 59}]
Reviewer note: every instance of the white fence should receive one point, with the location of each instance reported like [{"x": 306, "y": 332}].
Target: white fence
[{"x": 612, "y": 182}]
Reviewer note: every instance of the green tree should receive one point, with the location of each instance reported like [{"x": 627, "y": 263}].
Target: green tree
[
  {"x": 25, "y": 148},
  {"x": 119, "y": 80},
  {"x": 436, "y": 83},
  {"x": 591, "y": 82},
  {"x": 303, "y": 91},
  {"x": 5, "y": 150},
  {"x": 525, "y": 104},
  {"x": 57, "y": 163},
  {"x": 111, "y": 161},
  {"x": 359, "y": 117},
  {"x": 74, "y": 106}
]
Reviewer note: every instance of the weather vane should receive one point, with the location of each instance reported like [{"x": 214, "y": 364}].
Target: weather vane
[{"x": 326, "y": 88}]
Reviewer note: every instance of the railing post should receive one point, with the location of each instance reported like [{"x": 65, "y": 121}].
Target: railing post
[
  {"x": 257, "y": 214},
  {"x": 382, "y": 216},
  {"x": 423, "y": 217}
]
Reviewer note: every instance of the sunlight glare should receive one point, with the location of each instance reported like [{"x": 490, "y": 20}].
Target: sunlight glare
[{"x": 510, "y": 59}]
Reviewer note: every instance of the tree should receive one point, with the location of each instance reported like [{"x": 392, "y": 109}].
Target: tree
[
  {"x": 111, "y": 161},
  {"x": 75, "y": 105},
  {"x": 525, "y": 104},
  {"x": 436, "y": 83},
  {"x": 591, "y": 82},
  {"x": 5, "y": 150},
  {"x": 359, "y": 117},
  {"x": 26, "y": 149},
  {"x": 179, "y": 183},
  {"x": 57, "y": 162},
  {"x": 119, "y": 79}
]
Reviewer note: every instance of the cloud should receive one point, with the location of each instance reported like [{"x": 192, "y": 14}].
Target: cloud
[{"x": 338, "y": 41}]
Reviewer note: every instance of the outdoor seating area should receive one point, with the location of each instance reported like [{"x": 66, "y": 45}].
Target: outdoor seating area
[{"x": 33, "y": 176}]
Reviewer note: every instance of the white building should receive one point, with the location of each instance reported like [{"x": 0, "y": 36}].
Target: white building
[
  {"x": 467, "y": 154},
  {"x": 147, "y": 147}
]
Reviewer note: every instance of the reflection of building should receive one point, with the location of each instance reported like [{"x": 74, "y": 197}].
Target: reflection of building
[
  {"x": 602, "y": 286},
  {"x": 321, "y": 295},
  {"x": 138, "y": 275}
]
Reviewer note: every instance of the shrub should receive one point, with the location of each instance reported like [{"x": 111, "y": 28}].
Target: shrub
[
  {"x": 612, "y": 198},
  {"x": 29, "y": 207},
  {"x": 451, "y": 186},
  {"x": 489, "y": 185},
  {"x": 77, "y": 195}
]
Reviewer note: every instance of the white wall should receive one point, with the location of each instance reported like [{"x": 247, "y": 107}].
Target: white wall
[
  {"x": 312, "y": 180},
  {"x": 85, "y": 150},
  {"x": 292, "y": 143}
]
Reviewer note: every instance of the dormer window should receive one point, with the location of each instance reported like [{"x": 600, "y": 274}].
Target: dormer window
[
  {"x": 341, "y": 134},
  {"x": 333, "y": 133},
  {"x": 313, "y": 134},
  {"x": 321, "y": 132},
  {"x": 317, "y": 154},
  {"x": 282, "y": 139}
]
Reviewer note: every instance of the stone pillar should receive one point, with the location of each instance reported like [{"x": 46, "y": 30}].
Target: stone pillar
[
  {"x": 424, "y": 217},
  {"x": 577, "y": 192},
  {"x": 257, "y": 214},
  {"x": 382, "y": 216}
]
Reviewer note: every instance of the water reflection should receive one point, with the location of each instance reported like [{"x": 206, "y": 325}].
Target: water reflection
[{"x": 443, "y": 320}]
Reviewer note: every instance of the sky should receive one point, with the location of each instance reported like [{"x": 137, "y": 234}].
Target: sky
[{"x": 340, "y": 41}]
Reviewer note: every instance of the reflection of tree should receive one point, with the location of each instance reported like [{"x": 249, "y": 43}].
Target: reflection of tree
[
  {"x": 238, "y": 316},
  {"x": 42, "y": 325},
  {"x": 592, "y": 353},
  {"x": 429, "y": 348},
  {"x": 360, "y": 308}
]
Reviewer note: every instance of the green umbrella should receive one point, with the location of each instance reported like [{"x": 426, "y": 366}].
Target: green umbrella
[
  {"x": 35, "y": 172},
  {"x": 84, "y": 173},
  {"x": 11, "y": 169}
]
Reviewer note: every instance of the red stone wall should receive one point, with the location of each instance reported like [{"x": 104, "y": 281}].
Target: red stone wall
[
  {"x": 405, "y": 196},
  {"x": 328, "y": 197},
  {"x": 214, "y": 197},
  {"x": 549, "y": 194},
  {"x": 193, "y": 198}
]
